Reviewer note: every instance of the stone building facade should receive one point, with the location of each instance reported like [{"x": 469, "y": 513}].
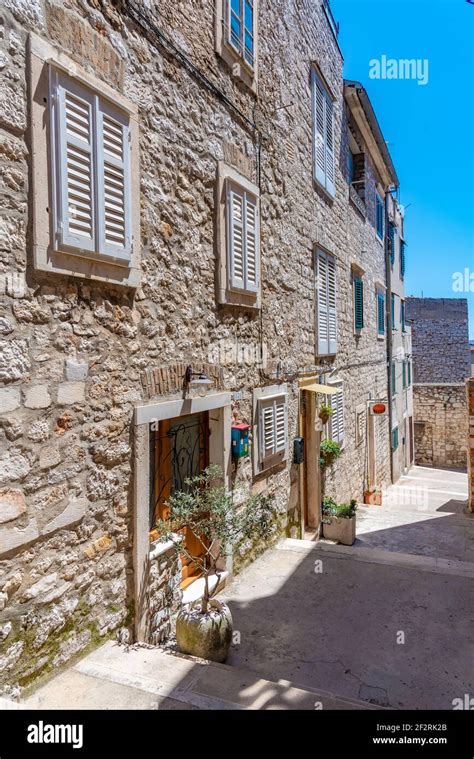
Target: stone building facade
[
  {"x": 441, "y": 363},
  {"x": 164, "y": 206}
]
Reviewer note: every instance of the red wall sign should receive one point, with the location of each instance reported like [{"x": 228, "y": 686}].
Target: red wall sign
[{"x": 378, "y": 408}]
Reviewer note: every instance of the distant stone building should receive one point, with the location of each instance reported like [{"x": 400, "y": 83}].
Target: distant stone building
[{"x": 441, "y": 363}]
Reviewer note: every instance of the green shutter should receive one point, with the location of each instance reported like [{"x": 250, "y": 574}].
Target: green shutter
[
  {"x": 395, "y": 438},
  {"x": 380, "y": 314},
  {"x": 402, "y": 258},
  {"x": 358, "y": 303},
  {"x": 409, "y": 372},
  {"x": 393, "y": 310},
  {"x": 404, "y": 373},
  {"x": 394, "y": 378},
  {"x": 392, "y": 243},
  {"x": 402, "y": 315}
]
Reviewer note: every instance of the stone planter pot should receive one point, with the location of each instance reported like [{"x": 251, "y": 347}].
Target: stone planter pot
[
  {"x": 341, "y": 529},
  {"x": 205, "y": 635},
  {"x": 373, "y": 499}
]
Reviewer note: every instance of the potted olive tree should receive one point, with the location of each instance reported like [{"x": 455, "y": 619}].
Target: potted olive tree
[
  {"x": 339, "y": 520},
  {"x": 205, "y": 507}
]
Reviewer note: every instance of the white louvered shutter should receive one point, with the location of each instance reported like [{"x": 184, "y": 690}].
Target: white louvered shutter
[
  {"x": 251, "y": 253},
  {"x": 336, "y": 429},
  {"x": 235, "y": 211},
  {"x": 319, "y": 132},
  {"x": 73, "y": 147},
  {"x": 113, "y": 178},
  {"x": 329, "y": 144},
  {"x": 280, "y": 425},
  {"x": 267, "y": 430},
  {"x": 322, "y": 304},
  {"x": 332, "y": 318}
]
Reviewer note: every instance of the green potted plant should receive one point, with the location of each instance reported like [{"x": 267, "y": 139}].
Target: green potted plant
[
  {"x": 205, "y": 507},
  {"x": 325, "y": 413},
  {"x": 339, "y": 520},
  {"x": 330, "y": 450},
  {"x": 373, "y": 495}
]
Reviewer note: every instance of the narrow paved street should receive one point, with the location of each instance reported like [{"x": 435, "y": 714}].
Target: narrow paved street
[{"x": 384, "y": 623}]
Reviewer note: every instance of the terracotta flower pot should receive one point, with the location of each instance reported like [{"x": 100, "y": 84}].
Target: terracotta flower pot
[
  {"x": 373, "y": 498},
  {"x": 342, "y": 529},
  {"x": 324, "y": 416},
  {"x": 205, "y": 635}
]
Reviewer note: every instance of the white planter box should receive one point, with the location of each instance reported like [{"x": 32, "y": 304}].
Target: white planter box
[{"x": 341, "y": 529}]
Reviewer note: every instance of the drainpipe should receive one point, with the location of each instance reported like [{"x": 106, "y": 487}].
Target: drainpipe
[{"x": 388, "y": 310}]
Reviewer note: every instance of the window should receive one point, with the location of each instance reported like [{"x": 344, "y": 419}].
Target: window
[
  {"x": 323, "y": 136},
  {"x": 241, "y": 28},
  {"x": 380, "y": 314},
  {"x": 236, "y": 39},
  {"x": 85, "y": 172},
  {"x": 326, "y": 327},
  {"x": 358, "y": 304},
  {"x": 392, "y": 234},
  {"x": 350, "y": 166},
  {"x": 238, "y": 239},
  {"x": 91, "y": 172},
  {"x": 379, "y": 216},
  {"x": 272, "y": 429},
  {"x": 404, "y": 375},
  {"x": 394, "y": 378},
  {"x": 336, "y": 420},
  {"x": 409, "y": 372},
  {"x": 392, "y": 303},
  {"x": 402, "y": 315},
  {"x": 402, "y": 258},
  {"x": 395, "y": 438}
]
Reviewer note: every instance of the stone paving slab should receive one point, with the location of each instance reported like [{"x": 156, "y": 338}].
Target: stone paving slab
[{"x": 115, "y": 677}]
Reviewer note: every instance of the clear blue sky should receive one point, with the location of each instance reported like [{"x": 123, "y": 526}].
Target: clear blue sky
[{"x": 429, "y": 129}]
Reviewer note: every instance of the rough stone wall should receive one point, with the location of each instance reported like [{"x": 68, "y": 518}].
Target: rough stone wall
[
  {"x": 470, "y": 442},
  {"x": 440, "y": 425},
  {"x": 73, "y": 350},
  {"x": 440, "y": 337}
]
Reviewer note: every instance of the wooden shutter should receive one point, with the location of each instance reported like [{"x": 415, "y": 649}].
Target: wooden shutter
[
  {"x": 73, "y": 149},
  {"x": 319, "y": 131},
  {"x": 235, "y": 215},
  {"x": 323, "y": 118},
  {"x": 336, "y": 427},
  {"x": 273, "y": 429},
  {"x": 329, "y": 139},
  {"x": 380, "y": 314},
  {"x": 332, "y": 316},
  {"x": 402, "y": 258},
  {"x": 252, "y": 254},
  {"x": 358, "y": 303},
  {"x": 280, "y": 425},
  {"x": 322, "y": 304},
  {"x": 113, "y": 178}
]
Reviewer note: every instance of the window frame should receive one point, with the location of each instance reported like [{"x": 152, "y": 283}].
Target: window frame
[
  {"x": 230, "y": 53},
  {"x": 380, "y": 299},
  {"x": 240, "y": 49},
  {"x": 227, "y": 293},
  {"x": 358, "y": 283},
  {"x": 330, "y": 311},
  {"x": 263, "y": 398},
  {"x": 47, "y": 255}
]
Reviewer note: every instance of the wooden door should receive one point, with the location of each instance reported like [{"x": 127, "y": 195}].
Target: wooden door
[{"x": 180, "y": 451}]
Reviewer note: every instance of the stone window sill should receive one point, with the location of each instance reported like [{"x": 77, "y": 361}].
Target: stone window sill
[
  {"x": 159, "y": 547},
  {"x": 195, "y": 591}
]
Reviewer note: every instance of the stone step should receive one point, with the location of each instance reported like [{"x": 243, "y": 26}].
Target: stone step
[{"x": 114, "y": 677}]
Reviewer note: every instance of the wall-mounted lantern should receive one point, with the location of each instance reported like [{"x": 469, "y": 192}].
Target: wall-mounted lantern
[{"x": 200, "y": 380}]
